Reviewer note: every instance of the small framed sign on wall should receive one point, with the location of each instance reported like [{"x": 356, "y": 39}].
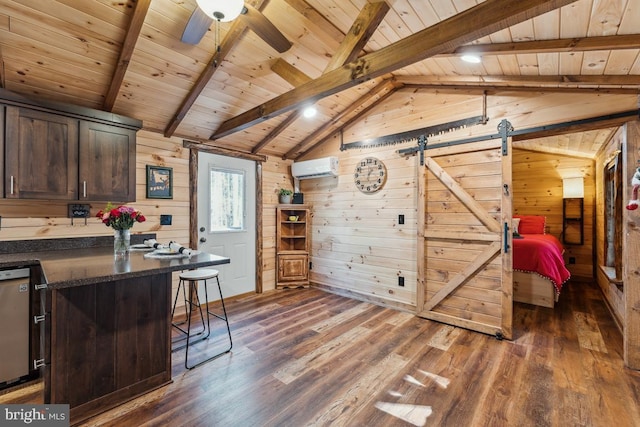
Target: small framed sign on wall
[{"x": 159, "y": 182}]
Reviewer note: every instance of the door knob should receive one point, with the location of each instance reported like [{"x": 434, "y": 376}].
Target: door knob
[{"x": 203, "y": 239}]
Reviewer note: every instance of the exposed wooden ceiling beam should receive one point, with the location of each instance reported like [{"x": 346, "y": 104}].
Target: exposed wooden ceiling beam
[
  {"x": 370, "y": 98},
  {"x": 597, "y": 83},
  {"x": 264, "y": 28},
  {"x": 238, "y": 28},
  {"x": 3, "y": 81},
  {"x": 133, "y": 32},
  {"x": 583, "y": 127},
  {"x": 481, "y": 20},
  {"x": 309, "y": 12},
  {"x": 361, "y": 31},
  {"x": 608, "y": 80},
  {"x": 358, "y": 36},
  {"x": 493, "y": 89},
  {"x": 353, "y": 113},
  {"x": 289, "y": 73},
  {"x": 277, "y": 130},
  {"x": 578, "y": 44},
  {"x": 295, "y": 77}
]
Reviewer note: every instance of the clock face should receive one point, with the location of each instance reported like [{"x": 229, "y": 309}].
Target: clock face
[{"x": 370, "y": 175}]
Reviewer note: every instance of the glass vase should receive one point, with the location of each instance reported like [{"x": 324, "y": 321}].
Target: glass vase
[{"x": 121, "y": 242}]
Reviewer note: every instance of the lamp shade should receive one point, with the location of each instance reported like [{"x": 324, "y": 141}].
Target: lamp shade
[
  {"x": 573, "y": 188},
  {"x": 221, "y": 10}
]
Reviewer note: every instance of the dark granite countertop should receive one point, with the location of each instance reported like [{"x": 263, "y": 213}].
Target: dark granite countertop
[{"x": 65, "y": 268}]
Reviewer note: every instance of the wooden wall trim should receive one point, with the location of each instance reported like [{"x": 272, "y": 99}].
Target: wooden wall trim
[
  {"x": 193, "y": 211},
  {"x": 383, "y": 302},
  {"x": 223, "y": 151},
  {"x": 507, "y": 258},
  {"x": 193, "y": 198},
  {"x": 422, "y": 225},
  {"x": 259, "y": 228},
  {"x": 631, "y": 255}
]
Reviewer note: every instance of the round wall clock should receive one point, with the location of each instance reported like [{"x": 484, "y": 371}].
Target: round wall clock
[{"x": 370, "y": 175}]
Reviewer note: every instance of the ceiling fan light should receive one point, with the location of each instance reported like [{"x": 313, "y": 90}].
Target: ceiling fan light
[{"x": 221, "y": 10}]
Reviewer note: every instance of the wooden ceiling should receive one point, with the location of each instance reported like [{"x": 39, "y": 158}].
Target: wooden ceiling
[{"x": 347, "y": 56}]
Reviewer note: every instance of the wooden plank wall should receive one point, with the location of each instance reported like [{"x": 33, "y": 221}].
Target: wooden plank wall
[
  {"x": 358, "y": 246},
  {"x": 623, "y": 301},
  {"x": 29, "y": 219},
  {"x": 631, "y": 254},
  {"x": 276, "y": 174},
  {"x": 537, "y": 190},
  {"x": 344, "y": 215},
  {"x": 612, "y": 294}
]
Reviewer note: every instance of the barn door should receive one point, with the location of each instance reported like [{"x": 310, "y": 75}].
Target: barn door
[{"x": 465, "y": 270}]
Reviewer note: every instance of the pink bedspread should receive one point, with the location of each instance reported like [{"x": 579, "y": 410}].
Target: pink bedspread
[{"x": 542, "y": 254}]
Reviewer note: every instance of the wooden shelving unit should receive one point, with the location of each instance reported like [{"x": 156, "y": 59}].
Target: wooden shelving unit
[
  {"x": 573, "y": 221},
  {"x": 293, "y": 244}
]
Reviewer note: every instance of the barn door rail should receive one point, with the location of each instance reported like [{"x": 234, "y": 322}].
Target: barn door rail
[{"x": 505, "y": 129}]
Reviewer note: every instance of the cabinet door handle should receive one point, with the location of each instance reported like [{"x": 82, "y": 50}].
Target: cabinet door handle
[
  {"x": 84, "y": 189},
  {"x": 11, "y": 184}
]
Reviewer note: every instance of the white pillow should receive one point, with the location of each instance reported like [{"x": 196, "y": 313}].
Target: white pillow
[{"x": 515, "y": 223}]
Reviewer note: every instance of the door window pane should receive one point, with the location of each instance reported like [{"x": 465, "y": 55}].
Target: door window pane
[{"x": 226, "y": 200}]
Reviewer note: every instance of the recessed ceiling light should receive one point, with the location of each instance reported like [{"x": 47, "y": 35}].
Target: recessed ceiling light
[
  {"x": 474, "y": 59},
  {"x": 309, "y": 112}
]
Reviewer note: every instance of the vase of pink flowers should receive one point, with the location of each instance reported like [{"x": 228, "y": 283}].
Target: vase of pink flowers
[{"x": 121, "y": 219}]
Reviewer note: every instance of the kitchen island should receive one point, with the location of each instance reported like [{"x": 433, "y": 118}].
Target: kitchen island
[{"x": 107, "y": 333}]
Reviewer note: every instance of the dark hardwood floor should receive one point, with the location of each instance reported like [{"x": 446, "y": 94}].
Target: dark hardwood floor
[{"x": 304, "y": 357}]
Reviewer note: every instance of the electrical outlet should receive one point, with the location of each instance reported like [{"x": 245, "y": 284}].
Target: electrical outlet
[
  {"x": 400, "y": 219},
  {"x": 401, "y": 281}
]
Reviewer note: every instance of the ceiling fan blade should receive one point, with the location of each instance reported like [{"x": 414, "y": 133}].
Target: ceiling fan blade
[
  {"x": 197, "y": 27},
  {"x": 262, "y": 26}
]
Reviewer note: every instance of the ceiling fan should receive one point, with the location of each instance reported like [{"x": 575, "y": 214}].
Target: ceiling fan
[{"x": 209, "y": 11}]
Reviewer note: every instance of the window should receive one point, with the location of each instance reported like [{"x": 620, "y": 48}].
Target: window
[
  {"x": 226, "y": 200},
  {"x": 613, "y": 218}
]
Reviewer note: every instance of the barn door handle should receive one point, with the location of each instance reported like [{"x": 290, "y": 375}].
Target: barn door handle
[{"x": 506, "y": 238}]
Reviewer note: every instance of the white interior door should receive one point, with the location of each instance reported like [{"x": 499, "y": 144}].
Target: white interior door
[{"x": 227, "y": 218}]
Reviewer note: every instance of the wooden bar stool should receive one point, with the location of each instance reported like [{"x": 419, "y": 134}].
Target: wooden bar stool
[{"x": 191, "y": 279}]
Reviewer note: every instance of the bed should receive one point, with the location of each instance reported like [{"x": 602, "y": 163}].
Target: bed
[{"x": 538, "y": 264}]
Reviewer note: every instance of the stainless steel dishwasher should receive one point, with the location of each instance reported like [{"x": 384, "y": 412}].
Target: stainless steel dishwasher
[{"x": 14, "y": 325}]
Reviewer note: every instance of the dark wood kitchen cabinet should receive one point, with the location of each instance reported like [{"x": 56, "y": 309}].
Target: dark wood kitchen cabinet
[
  {"x": 109, "y": 342},
  {"x": 107, "y": 162},
  {"x": 41, "y": 151},
  {"x": 61, "y": 152}
]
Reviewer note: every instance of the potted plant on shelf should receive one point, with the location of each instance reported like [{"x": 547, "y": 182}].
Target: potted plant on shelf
[{"x": 285, "y": 195}]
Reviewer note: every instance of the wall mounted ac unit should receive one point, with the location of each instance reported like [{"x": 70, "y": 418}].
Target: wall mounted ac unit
[{"x": 316, "y": 168}]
